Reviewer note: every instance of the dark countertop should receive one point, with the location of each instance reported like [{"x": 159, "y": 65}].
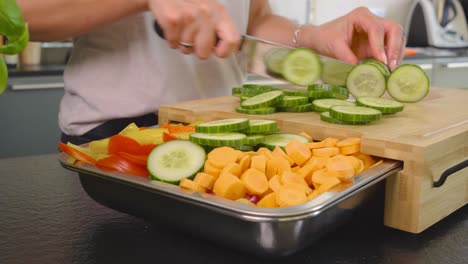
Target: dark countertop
[{"x": 46, "y": 217}]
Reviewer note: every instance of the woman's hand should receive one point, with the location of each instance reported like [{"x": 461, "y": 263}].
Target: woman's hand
[
  {"x": 197, "y": 22},
  {"x": 357, "y": 35}
]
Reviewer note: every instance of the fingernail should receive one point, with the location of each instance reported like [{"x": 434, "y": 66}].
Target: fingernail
[
  {"x": 384, "y": 57},
  {"x": 393, "y": 64}
]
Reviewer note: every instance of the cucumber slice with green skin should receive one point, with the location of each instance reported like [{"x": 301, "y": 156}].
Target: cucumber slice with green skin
[
  {"x": 281, "y": 140},
  {"x": 175, "y": 160},
  {"x": 354, "y": 113},
  {"x": 222, "y": 125},
  {"x": 231, "y": 139},
  {"x": 245, "y": 148},
  {"x": 244, "y": 97},
  {"x": 253, "y": 140},
  {"x": 236, "y": 91},
  {"x": 260, "y": 126},
  {"x": 257, "y": 111},
  {"x": 323, "y": 105},
  {"x": 274, "y": 60},
  {"x": 295, "y": 92},
  {"x": 325, "y": 116},
  {"x": 408, "y": 83},
  {"x": 255, "y": 89},
  {"x": 297, "y": 109},
  {"x": 263, "y": 100},
  {"x": 318, "y": 94},
  {"x": 383, "y": 105},
  {"x": 366, "y": 80},
  {"x": 335, "y": 72},
  {"x": 293, "y": 101},
  {"x": 382, "y": 67},
  {"x": 334, "y": 91},
  {"x": 302, "y": 67}
]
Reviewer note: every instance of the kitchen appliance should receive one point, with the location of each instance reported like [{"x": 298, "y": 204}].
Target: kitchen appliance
[{"x": 437, "y": 23}]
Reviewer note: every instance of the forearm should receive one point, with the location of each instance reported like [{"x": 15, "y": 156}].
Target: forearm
[
  {"x": 51, "y": 20},
  {"x": 264, "y": 24}
]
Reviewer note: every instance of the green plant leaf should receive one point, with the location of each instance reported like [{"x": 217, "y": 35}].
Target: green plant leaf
[
  {"x": 13, "y": 27},
  {"x": 3, "y": 75},
  {"x": 17, "y": 43}
]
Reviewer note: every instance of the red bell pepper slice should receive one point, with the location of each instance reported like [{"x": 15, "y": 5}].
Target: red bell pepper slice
[
  {"x": 120, "y": 143},
  {"x": 120, "y": 164},
  {"x": 75, "y": 153},
  {"x": 136, "y": 159},
  {"x": 168, "y": 137}
]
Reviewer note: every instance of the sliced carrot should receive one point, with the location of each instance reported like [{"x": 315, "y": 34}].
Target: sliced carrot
[
  {"x": 233, "y": 168},
  {"x": 349, "y": 141},
  {"x": 259, "y": 162},
  {"x": 180, "y": 129},
  {"x": 244, "y": 162},
  {"x": 266, "y": 152},
  {"x": 305, "y": 134},
  {"x": 255, "y": 181},
  {"x": 222, "y": 156},
  {"x": 306, "y": 172},
  {"x": 329, "y": 184},
  {"x": 268, "y": 201},
  {"x": 318, "y": 162},
  {"x": 326, "y": 152},
  {"x": 330, "y": 142},
  {"x": 367, "y": 159},
  {"x": 277, "y": 166},
  {"x": 314, "y": 145},
  {"x": 319, "y": 177},
  {"x": 240, "y": 155},
  {"x": 279, "y": 153},
  {"x": 357, "y": 164},
  {"x": 211, "y": 169},
  {"x": 274, "y": 183},
  {"x": 351, "y": 149},
  {"x": 298, "y": 152},
  {"x": 313, "y": 195},
  {"x": 191, "y": 185},
  {"x": 204, "y": 179},
  {"x": 289, "y": 177},
  {"x": 343, "y": 170},
  {"x": 229, "y": 187},
  {"x": 289, "y": 195}
]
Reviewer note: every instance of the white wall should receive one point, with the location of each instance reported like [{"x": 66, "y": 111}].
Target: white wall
[
  {"x": 297, "y": 10},
  {"x": 325, "y": 10}
]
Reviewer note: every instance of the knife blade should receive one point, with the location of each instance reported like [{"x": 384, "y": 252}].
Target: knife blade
[{"x": 264, "y": 58}]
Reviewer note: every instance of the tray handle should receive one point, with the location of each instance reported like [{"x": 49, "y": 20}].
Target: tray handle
[{"x": 450, "y": 171}]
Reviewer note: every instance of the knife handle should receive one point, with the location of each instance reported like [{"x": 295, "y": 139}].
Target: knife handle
[{"x": 160, "y": 33}]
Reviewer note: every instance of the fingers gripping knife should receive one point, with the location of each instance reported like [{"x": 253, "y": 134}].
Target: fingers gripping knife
[{"x": 299, "y": 66}]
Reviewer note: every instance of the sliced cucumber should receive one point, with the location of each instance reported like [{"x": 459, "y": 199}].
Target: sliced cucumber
[
  {"x": 175, "y": 160},
  {"x": 408, "y": 83},
  {"x": 274, "y": 60},
  {"x": 297, "y": 109},
  {"x": 354, "y": 113},
  {"x": 382, "y": 67},
  {"x": 257, "y": 126},
  {"x": 323, "y": 105},
  {"x": 263, "y": 100},
  {"x": 257, "y": 111},
  {"x": 295, "y": 92},
  {"x": 302, "y": 67},
  {"x": 318, "y": 94},
  {"x": 325, "y": 116},
  {"x": 335, "y": 72},
  {"x": 291, "y": 100},
  {"x": 223, "y": 125},
  {"x": 333, "y": 91},
  {"x": 254, "y": 89},
  {"x": 253, "y": 140},
  {"x": 383, "y": 105},
  {"x": 244, "y": 97},
  {"x": 236, "y": 91},
  {"x": 366, "y": 80},
  {"x": 281, "y": 140},
  {"x": 219, "y": 139}
]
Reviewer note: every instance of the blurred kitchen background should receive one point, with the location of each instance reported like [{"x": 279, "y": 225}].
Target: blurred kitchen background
[{"x": 437, "y": 41}]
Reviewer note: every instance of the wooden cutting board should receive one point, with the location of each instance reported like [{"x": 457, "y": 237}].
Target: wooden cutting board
[{"x": 430, "y": 137}]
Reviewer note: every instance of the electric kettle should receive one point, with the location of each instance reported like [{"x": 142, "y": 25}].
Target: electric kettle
[{"x": 437, "y": 23}]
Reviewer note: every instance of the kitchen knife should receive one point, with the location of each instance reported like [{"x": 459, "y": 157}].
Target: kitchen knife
[{"x": 264, "y": 58}]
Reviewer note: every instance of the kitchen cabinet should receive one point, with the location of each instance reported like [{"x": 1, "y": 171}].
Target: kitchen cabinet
[{"x": 29, "y": 122}]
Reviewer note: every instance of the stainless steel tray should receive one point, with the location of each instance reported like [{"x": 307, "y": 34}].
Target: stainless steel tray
[{"x": 262, "y": 231}]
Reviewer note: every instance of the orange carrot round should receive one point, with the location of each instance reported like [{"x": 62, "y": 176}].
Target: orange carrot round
[{"x": 255, "y": 181}]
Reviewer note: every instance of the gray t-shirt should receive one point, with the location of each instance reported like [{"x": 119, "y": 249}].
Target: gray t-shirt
[{"x": 126, "y": 70}]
